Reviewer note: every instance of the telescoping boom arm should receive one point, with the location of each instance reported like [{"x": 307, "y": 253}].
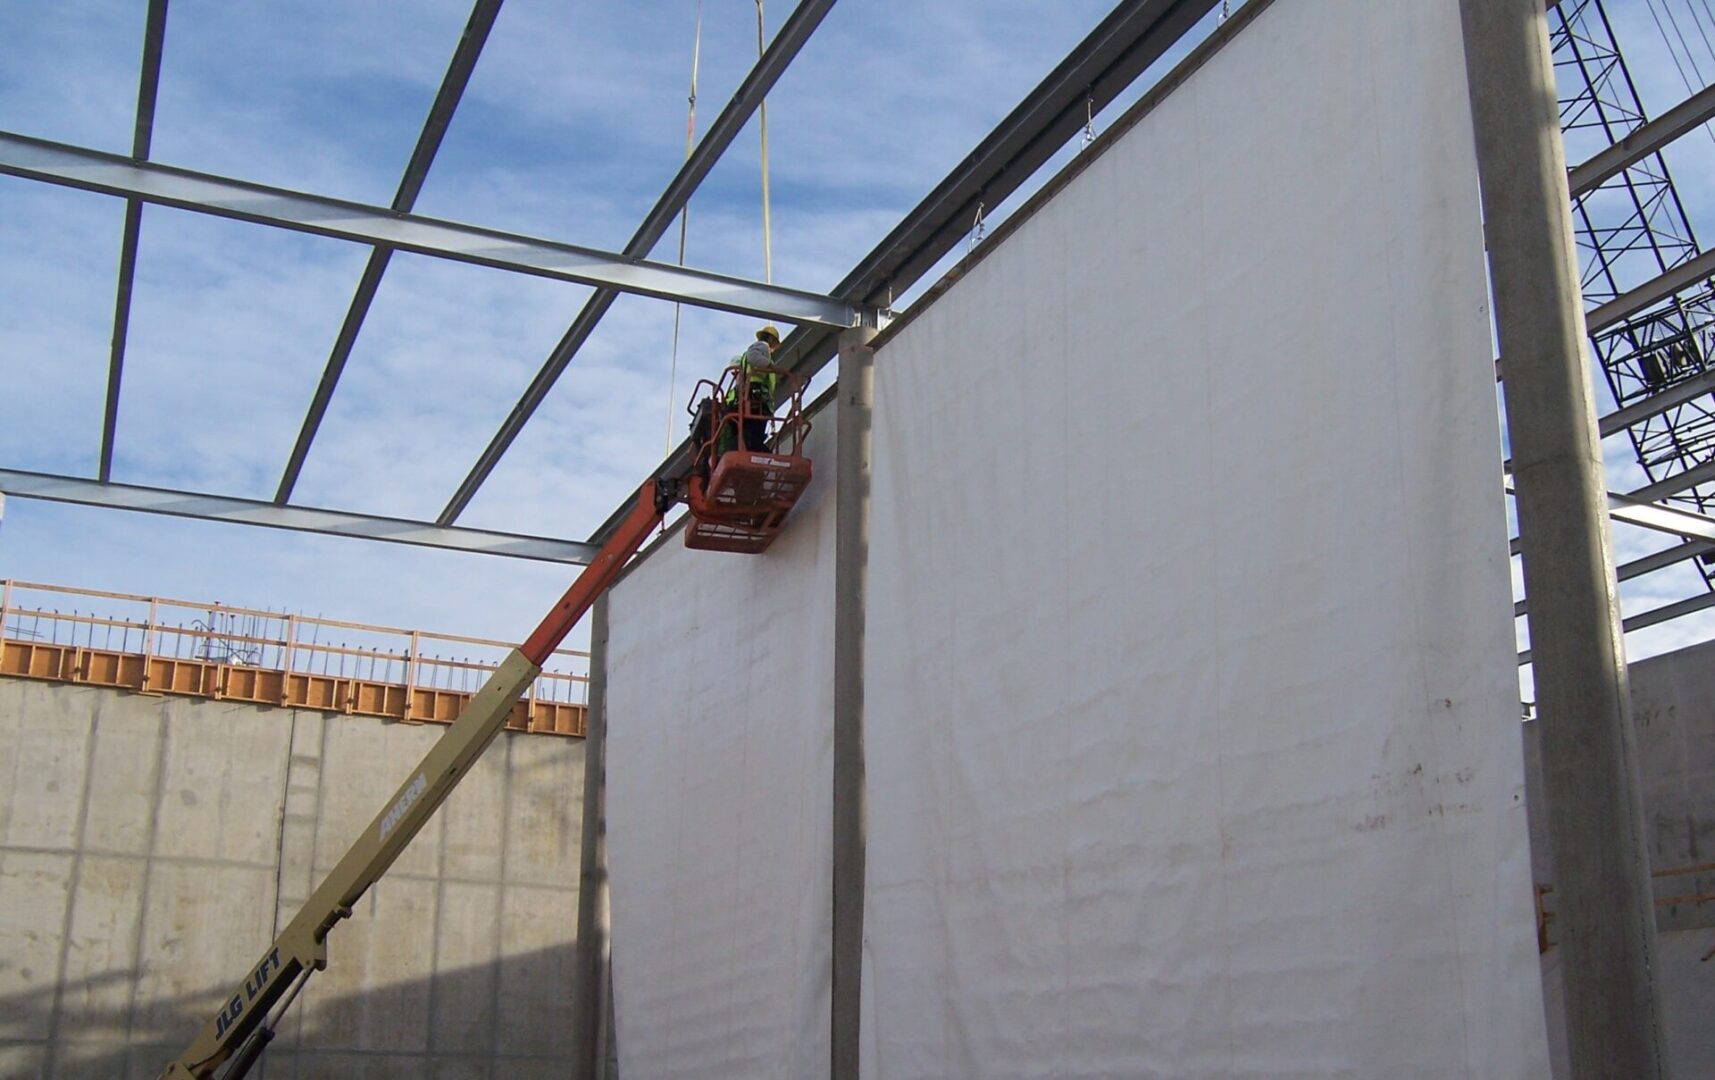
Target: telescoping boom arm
[{"x": 240, "y": 1031}]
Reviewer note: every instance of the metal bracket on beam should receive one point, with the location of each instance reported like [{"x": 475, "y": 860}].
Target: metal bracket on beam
[
  {"x": 110, "y": 174},
  {"x": 84, "y": 492}
]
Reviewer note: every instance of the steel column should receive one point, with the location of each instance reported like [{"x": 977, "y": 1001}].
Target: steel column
[
  {"x": 591, "y": 978},
  {"x": 851, "y": 577}
]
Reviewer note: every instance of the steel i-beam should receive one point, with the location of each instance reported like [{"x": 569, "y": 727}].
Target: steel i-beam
[{"x": 111, "y": 174}]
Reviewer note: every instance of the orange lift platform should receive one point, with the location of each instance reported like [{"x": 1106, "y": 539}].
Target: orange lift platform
[{"x": 738, "y": 494}]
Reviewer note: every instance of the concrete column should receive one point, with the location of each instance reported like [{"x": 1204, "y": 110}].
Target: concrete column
[
  {"x": 851, "y": 571},
  {"x": 1606, "y": 921},
  {"x": 592, "y": 979}
]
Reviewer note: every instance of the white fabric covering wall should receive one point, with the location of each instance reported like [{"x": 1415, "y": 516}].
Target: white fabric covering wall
[
  {"x": 1193, "y": 743},
  {"x": 719, "y": 761}
]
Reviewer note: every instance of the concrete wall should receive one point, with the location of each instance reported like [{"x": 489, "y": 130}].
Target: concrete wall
[
  {"x": 151, "y": 847},
  {"x": 1673, "y": 711}
]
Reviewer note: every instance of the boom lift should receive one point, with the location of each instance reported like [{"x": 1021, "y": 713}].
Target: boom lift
[{"x": 738, "y": 497}]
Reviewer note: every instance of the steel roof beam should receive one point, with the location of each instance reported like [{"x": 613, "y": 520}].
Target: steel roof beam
[
  {"x": 453, "y": 84},
  {"x": 1682, "y": 277},
  {"x": 1673, "y": 485},
  {"x": 786, "y": 44},
  {"x": 111, "y": 174},
  {"x": 1667, "y": 519},
  {"x": 1133, "y": 36},
  {"x": 1665, "y": 613},
  {"x": 1654, "y": 405},
  {"x": 1649, "y": 564},
  {"x": 143, "y": 130},
  {"x": 85, "y": 492},
  {"x": 1642, "y": 142},
  {"x": 1641, "y": 507}
]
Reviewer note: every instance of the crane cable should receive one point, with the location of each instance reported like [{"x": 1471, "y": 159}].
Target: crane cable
[
  {"x": 762, "y": 114},
  {"x": 684, "y": 216},
  {"x": 1697, "y": 22},
  {"x": 1707, "y": 10},
  {"x": 1683, "y": 44}
]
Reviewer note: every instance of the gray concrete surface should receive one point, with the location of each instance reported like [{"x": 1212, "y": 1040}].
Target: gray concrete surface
[
  {"x": 1591, "y": 805},
  {"x": 151, "y": 847},
  {"x": 1673, "y": 714}
]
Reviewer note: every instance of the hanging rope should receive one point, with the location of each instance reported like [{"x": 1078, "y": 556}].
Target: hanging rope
[
  {"x": 1089, "y": 122},
  {"x": 684, "y": 218},
  {"x": 762, "y": 116}
]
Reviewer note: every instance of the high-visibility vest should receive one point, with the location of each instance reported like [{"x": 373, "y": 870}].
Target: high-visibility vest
[{"x": 752, "y": 377}]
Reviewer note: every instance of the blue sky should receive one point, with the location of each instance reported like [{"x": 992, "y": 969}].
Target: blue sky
[{"x": 573, "y": 122}]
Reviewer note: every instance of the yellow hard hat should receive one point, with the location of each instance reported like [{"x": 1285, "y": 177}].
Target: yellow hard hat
[{"x": 768, "y": 333}]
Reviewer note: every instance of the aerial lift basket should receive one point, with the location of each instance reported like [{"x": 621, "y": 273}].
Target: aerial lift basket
[{"x": 739, "y": 495}]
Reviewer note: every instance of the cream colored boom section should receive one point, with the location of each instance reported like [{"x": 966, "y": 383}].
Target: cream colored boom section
[{"x": 302, "y": 947}]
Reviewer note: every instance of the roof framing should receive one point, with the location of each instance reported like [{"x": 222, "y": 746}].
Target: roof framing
[
  {"x": 453, "y": 84},
  {"x": 82, "y": 491},
  {"x": 111, "y": 174},
  {"x": 1132, "y": 37},
  {"x": 1641, "y": 143},
  {"x": 143, "y": 129},
  {"x": 791, "y": 38}
]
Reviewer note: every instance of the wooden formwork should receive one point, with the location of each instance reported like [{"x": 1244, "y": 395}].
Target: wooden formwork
[{"x": 144, "y": 670}]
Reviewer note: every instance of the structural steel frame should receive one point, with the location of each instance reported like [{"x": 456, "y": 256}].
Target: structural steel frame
[
  {"x": 447, "y": 99},
  {"x": 82, "y": 491},
  {"x": 112, "y": 174},
  {"x": 388, "y": 230},
  {"x": 148, "y": 87},
  {"x": 1131, "y": 38}
]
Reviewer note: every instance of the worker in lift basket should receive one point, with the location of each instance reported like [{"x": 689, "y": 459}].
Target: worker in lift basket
[{"x": 758, "y": 378}]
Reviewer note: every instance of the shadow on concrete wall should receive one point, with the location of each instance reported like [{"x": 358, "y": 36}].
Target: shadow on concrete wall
[{"x": 510, "y": 1018}]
